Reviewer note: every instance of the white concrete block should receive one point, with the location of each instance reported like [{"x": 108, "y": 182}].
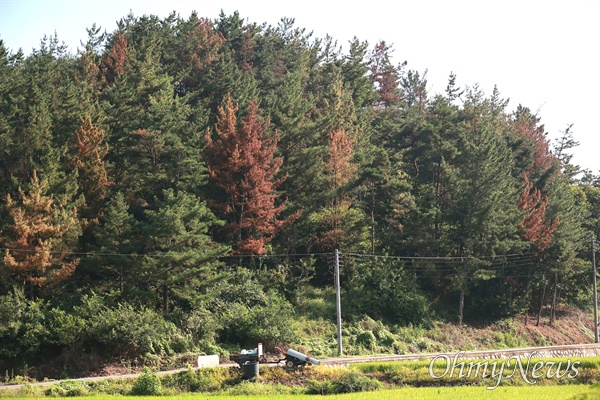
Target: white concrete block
[{"x": 208, "y": 361}]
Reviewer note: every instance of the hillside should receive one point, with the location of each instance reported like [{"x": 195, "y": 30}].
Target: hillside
[{"x": 187, "y": 185}]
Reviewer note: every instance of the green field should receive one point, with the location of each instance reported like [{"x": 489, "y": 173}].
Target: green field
[
  {"x": 578, "y": 392},
  {"x": 575, "y": 392}
]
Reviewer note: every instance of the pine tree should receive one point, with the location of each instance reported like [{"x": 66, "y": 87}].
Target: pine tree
[
  {"x": 385, "y": 76},
  {"x": 198, "y": 46},
  {"x": 167, "y": 149},
  {"x": 12, "y": 113},
  {"x": 536, "y": 229},
  {"x": 561, "y": 150},
  {"x": 241, "y": 162},
  {"x": 239, "y": 39},
  {"x": 340, "y": 171},
  {"x": 339, "y": 223},
  {"x": 483, "y": 221},
  {"x": 90, "y": 150},
  {"x": 116, "y": 235},
  {"x": 40, "y": 235},
  {"x": 113, "y": 60},
  {"x": 184, "y": 256}
]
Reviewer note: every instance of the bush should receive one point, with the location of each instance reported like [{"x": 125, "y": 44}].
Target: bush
[
  {"x": 129, "y": 331},
  {"x": 147, "y": 384},
  {"x": 113, "y": 387},
  {"x": 257, "y": 389},
  {"x": 23, "y": 330},
  {"x": 366, "y": 339},
  {"x": 384, "y": 290},
  {"x": 202, "y": 326},
  {"x": 348, "y": 382},
  {"x": 68, "y": 389},
  {"x": 352, "y": 381},
  {"x": 200, "y": 380},
  {"x": 271, "y": 323},
  {"x": 322, "y": 387}
]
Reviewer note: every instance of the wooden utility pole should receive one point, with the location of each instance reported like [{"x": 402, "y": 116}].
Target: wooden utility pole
[{"x": 338, "y": 300}]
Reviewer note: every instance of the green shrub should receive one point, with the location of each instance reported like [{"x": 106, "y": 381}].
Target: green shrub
[
  {"x": 23, "y": 330},
  {"x": 247, "y": 388},
  {"x": 366, "y": 339},
  {"x": 129, "y": 331},
  {"x": 67, "y": 329},
  {"x": 201, "y": 380},
  {"x": 271, "y": 323},
  {"x": 385, "y": 290},
  {"x": 111, "y": 387},
  {"x": 323, "y": 387},
  {"x": 27, "y": 390},
  {"x": 202, "y": 326},
  {"x": 147, "y": 384},
  {"x": 68, "y": 389},
  {"x": 348, "y": 382},
  {"x": 352, "y": 381},
  {"x": 316, "y": 303}
]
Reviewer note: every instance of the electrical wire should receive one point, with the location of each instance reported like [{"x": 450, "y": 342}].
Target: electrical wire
[{"x": 440, "y": 267}]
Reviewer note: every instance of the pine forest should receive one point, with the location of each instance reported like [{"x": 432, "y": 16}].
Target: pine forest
[{"x": 181, "y": 185}]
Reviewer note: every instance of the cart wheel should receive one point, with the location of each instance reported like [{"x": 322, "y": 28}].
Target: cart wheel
[{"x": 290, "y": 364}]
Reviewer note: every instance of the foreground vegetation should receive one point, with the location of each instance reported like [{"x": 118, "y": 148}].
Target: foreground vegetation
[
  {"x": 179, "y": 186},
  {"x": 573, "y": 392},
  {"x": 554, "y": 374}
]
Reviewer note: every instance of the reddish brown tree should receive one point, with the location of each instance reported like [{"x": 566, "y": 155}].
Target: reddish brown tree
[
  {"x": 241, "y": 162},
  {"x": 534, "y": 225},
  {"x": 89, "y": 160},
  {"x": 526, "y": 124},
  {"x": 338, "y": 218},
  {"x": 112, "y": 63},
  {"x": 35, "y": 237},
  {"x": 88, "y": 73},
  {"x": 385, "y": 76},
  {"x": 340, "y": 152},
  {"x": 199, "y": 52}
]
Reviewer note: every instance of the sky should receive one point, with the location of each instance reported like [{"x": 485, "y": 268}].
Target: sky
[{"x": 541, "y": 54}]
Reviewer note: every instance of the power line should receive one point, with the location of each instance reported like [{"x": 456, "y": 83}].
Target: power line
[
  {"x": 83, "y": 254},
  {"x": 457, "y": 258}
]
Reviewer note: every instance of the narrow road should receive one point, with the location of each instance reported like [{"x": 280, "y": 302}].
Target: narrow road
[{"x": 573, "y": 350}]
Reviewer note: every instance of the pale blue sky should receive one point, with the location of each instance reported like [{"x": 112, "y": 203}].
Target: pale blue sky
[{"x": 543, "y": 54}]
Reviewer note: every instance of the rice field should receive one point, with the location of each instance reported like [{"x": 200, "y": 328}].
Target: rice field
[{"x": 567, "y": 392}]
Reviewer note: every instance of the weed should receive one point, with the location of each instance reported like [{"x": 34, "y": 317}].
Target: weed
[
  {"x": 68, "y": 389},
  {"x": 147, "y": 384}
]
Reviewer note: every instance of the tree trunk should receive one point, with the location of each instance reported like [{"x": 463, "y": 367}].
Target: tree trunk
[
  {"x": 165, "y": 299},
  {"x": 461, "y": 295},
  {"x": 542, "y": 296},
  {"x": 240, "y": 224},
  {"x": 527, "y": 294},
  {"x": 461, "y": 305},
  {"x": 373, "y": 218},
  {"x": 31, "y": 294},
  {"x": 121, "y": 280},
  {"x": 553, "y": 308}
]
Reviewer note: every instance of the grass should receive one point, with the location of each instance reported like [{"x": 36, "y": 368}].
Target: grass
[
  {"x": 570, "y": 392},
  {"x": 410, "y": 378}
]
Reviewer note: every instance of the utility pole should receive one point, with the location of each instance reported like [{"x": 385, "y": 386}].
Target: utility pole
[
  {"x": 338, "y": 300},
  {"x": 595, "y": 290}
]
